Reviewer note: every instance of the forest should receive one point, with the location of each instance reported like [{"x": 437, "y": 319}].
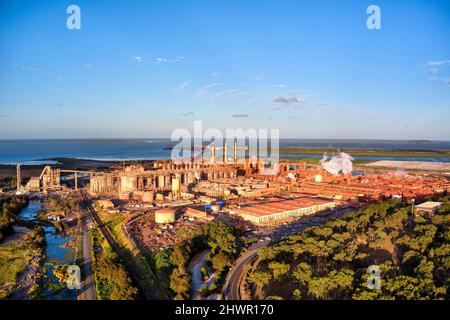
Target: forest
[
  {"x": 412, "y": 254},
  {"x": 222, "y": 242},
  {"x": 9, "y": 208}
]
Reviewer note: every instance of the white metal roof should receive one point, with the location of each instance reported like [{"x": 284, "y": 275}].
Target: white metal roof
[{"x": 429, "y": 205}]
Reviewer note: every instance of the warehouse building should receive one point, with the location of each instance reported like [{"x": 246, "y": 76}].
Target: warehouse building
[
  {"x": 429, "y": 207},
  {"x": 272, "y": 212}
]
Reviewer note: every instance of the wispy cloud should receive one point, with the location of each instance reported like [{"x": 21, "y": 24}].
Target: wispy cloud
[
  {"x": 227, "y": 93},
  {"x": 28, "y": 68},
  {"x": 138, "y": 58},
  {"x": 87, "y": 66},
  {"x": 59, "y": 79},
  {"x": 240, "y": 115},
  {"x": 187, "y": 114},
  {"x": 181, "y": 89},
  {"x": 163, "y": 60},
  {"x": 5, "y": 115},
  {"x": 438, "y": 63},
  {"x": 438, "y": 70},
  {"x": 286, "y": 100},
  {"x": 203, "y": 93},
  {"x": 180, "y": 59}
]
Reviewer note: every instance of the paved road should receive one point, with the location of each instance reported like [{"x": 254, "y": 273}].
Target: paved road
[
  {"x": 134, "y": 274},
  {"x": 88, "y": 285},
  {"x": 234, "y": 278}
]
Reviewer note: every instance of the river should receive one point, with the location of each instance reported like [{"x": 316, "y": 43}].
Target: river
[{"x": 56, "y": 252}]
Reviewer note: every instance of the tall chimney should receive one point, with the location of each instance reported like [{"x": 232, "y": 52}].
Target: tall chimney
[
  {"x": 225, "y": 153},
  {"x": 213, "y": 154},
  {"x": 18, "y": 179}
]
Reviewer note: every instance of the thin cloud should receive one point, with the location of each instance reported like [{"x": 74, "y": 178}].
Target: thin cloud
[
  {"x": 240, "y": 115},
  {"x": 28, "y": 68},
  {"x": 138, "y": 58},
  {"x": 187, "y": 114},
  {"x": 227, "y": 93},
  {"x": 436, "y": 68},
  {"x": 259, "y": 78},
  {"x": 438, "y": 63},
  {"x": 203, "y": 93},
  {"x": 286, "y": 100},
  {"x": 181, "y": 89},
  {"x": 180, "y": 59},
  {"x": 162, "y": 60}
]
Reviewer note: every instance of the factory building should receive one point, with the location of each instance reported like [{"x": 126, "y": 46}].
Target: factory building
[
  {"x": 136, "y": 181},
  {"x": 270, "y": 212},
  {"x": 429, "y": 207}
]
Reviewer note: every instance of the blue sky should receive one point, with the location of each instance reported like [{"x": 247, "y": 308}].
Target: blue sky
[{"x": 144, "y": 68}]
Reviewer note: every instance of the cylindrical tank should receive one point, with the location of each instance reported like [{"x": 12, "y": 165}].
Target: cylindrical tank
[{"x": 165, "y": 216}]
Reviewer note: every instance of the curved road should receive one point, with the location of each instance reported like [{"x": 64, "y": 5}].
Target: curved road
[{"x": 234, "y": 278}]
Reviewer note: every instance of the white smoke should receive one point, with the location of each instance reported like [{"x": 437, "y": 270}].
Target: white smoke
[
  {"x": 400, "y": 173},
  {"x": 341, "y": 163}
]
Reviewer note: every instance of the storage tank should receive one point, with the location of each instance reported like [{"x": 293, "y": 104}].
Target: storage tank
[{"x": 165, "y": 216}]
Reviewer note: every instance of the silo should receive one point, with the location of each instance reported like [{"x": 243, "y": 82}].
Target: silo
[{"x": 165, "y": 216}]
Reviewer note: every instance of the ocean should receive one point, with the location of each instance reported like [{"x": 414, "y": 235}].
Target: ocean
[{"x": 40, "y": 151}]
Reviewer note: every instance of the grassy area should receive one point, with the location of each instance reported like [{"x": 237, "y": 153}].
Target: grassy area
[
  {"x": 141, "y": 261},
  {"x": 112, "y": 282},
  {"x": 369, "y": 152},
  {"x": 14, "y": 258}
]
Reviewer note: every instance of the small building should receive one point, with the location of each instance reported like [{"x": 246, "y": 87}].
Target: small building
[
  {"x": 165, "y": 215},
  {"x": 198, "y": 214},
  {"x": 105, "y": 204},
  {"x": 429, "y": 207},
  {"x": 55, "y": 216}
]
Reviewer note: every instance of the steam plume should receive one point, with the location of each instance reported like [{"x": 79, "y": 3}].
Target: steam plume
[{"x": 341, "y": 163}]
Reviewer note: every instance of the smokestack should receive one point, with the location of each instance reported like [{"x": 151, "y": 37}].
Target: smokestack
[
  {"x": 225, "y": 153},
  {"x": 18, "y": 179},
  {"x": 213, "y": 154}
]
